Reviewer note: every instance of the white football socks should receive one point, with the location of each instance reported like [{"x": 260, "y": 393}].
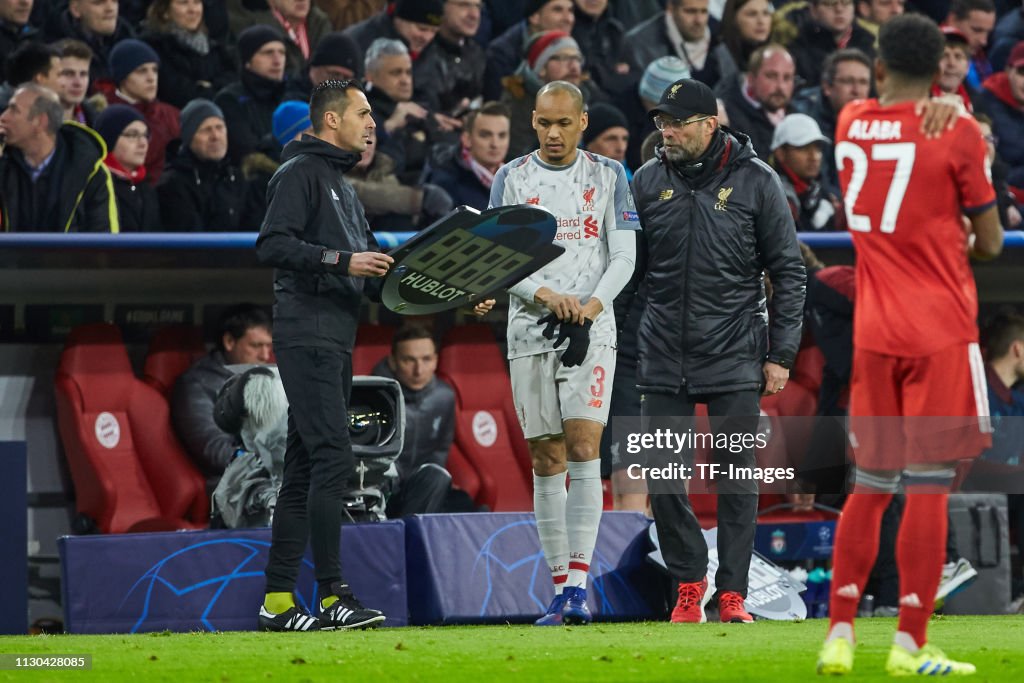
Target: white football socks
[
  {"x": 549, "y": 498},
  {"x": 582, "y": 517}
]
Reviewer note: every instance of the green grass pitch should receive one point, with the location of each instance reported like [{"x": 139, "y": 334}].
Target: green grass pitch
[{"x": 763, "y": 651}]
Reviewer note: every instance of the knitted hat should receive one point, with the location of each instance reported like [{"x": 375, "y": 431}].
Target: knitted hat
[
  {"x": 544, "y": 45},
  {"x": 252, "y": 39},
  {"x": 290, "y": 118},
  {"x": 660, "y": 74},
  {"x": 338, "y": 49},
  {"x": 113, "y": 120},
  {"x": 420, "y": 11},
  {"x": 128, "y": 55},
  {"x": 531, "y": 7},
  {"x": 602, "y": 117},
  {"x": 1016, "y": 57},
  {"x": 193, "y": 115}
]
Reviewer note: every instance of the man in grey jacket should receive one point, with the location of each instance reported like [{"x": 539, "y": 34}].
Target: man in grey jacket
[
  {"x": 316, "y": 236},
  {"x": 244, "y": 337},
  {"x": 423, "y": 482},
  {"x": 716, "y": 222}
]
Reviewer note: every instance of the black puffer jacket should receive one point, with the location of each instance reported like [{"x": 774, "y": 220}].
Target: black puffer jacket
[
  {"x": 310, "y": 208},
  {"x": 204, "y": 196},
  {"x": 705, "y": 325}
]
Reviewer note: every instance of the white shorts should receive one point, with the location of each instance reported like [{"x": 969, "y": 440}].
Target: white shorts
[{"x": 545, "y": 392}]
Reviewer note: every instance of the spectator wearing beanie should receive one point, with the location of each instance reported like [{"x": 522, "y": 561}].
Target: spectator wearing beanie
[
  {"x": 607, "y": 134},
  {"x": 192, "y": 64},
  {"x": 291, "y": 120},
  {"x": 135, "y": 68},
  {"x": 249, "y": 104},
  {"x": 506, "y": 51},
  {"x": 551, "y": 56},
  {"x": 415, "y": 23},
  {"x": 127, "y": 136},
  {"x": 201, "y": 190},
  {"x": 337, "y": 58},
  {"x": 301, "y": 24},
  {"x": 98, "y": 26},
  {"x": 658, "y": 75}
]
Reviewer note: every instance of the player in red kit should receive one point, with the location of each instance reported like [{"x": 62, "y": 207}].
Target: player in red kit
[{"x": 917, "y": 397}]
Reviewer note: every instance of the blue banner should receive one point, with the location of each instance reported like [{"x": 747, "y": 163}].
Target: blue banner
[
  {"x": 474, "y": 568},
  {"x": 211, "y": 580}
]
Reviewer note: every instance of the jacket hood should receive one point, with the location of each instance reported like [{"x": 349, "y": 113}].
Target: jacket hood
[
  {"x": 999, "y": 85},
  {"x": 84, "y": 147},
  {"x": 308, "y": 144}
]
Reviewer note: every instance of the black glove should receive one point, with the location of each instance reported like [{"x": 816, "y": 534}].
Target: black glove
[
  {"x": 578, "y": 336},
  {"x": 435, "y": 202},
  {"x": 552, "y": 322}
]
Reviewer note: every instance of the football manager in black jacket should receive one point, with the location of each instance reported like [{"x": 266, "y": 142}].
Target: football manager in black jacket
[
  {"x": 716, "y": 222},
  {"x": 318, "y": 240}
]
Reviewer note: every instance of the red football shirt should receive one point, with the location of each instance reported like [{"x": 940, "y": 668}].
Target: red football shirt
[{"x": 904, "y": 197}]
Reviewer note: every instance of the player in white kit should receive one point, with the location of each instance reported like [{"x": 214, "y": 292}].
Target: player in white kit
[{"x": 562, "y": 392}]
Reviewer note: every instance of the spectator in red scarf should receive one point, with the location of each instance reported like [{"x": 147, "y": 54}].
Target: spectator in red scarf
[
  {"x": 126, "y": 134},
  {"x": 467, "y": 170},
  {"x": 135, "y": 68}
]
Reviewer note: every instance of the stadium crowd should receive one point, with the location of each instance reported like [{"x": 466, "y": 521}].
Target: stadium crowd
[{"x": 188, "y": 103}]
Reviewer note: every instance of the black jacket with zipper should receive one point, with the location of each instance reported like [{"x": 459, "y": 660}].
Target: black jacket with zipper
[
  {"x": 312, "y": 208},
  {"x": 204, "y": 196},
  {"x": 74, "y": 193},
  {"x": 710, "y": 240}
]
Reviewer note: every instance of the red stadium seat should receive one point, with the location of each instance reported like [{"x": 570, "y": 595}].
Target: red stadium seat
[
  {"x": 464, "y": 475},
  {"x": 130, "y": 472},
  {"x": 172, "y": 350},
  {"x": 373, "y": 342},
  {"x": 472, "y": 363}
]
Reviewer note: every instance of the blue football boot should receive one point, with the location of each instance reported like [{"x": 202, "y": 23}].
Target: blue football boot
[
  {"x": 575, "y": 612},
  {"x": 553, "y": 617}
]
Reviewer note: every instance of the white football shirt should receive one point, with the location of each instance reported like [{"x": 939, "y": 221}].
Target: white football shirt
[{"x": 588, "y": 198}]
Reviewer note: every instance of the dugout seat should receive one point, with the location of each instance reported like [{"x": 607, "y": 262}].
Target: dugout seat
[
  {"x": 172, "y": 350},
  {"x": 472, "y": 364},
  {"x": 129, "y": 471},
  {"x": 373, "y": 342},
  {"x": 464, "y": 474}
]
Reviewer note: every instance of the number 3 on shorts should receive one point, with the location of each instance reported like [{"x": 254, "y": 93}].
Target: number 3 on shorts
[{"x": 597, "y": 388}]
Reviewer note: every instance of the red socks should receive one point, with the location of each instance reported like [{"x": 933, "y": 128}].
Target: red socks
[
  {"x": 920, "y": 552},
  {"x": 856, "y": 548}
]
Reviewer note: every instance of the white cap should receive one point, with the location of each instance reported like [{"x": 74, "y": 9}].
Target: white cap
[{"x": 797, "y": 130}]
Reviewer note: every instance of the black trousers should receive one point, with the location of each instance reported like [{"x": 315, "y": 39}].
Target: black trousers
[
  {"x": 679, "y": 533},
  {"x": 318, "y": 464},
  {"x": 423, "y": 492}
]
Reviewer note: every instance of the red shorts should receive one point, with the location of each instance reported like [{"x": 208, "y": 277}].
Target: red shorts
[{"x": 929, "y": 409}]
